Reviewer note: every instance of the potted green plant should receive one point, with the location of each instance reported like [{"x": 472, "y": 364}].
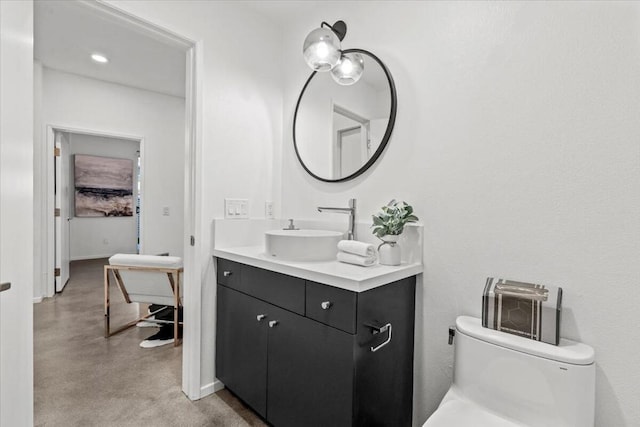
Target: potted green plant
[{"x": 388, "y": 225}]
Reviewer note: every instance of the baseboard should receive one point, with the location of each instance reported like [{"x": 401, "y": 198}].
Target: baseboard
[
  {"x": 210, "y": 388},
  {"x": 36, "y": 300},
  {"x": 86, "y": 257}
]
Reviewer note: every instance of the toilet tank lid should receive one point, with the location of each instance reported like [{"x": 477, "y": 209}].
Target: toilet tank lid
[{"x": 567, "y": 351}]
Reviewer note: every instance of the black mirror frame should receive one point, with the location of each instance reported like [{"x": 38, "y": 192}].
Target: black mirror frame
[{"x": 387, "y": 133}]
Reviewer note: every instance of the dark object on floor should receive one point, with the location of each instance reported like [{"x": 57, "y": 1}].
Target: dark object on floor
[
  {"x": 166, "y": 334},
  {"x": 164, "y": 312},
  {"x": 162, "y": 337}
]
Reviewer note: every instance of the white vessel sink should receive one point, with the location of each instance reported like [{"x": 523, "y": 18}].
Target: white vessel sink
[{"x": 302, "y": 245}]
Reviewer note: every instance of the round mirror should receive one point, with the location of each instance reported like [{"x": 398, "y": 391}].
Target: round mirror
[{"x": 340, "y": 131}]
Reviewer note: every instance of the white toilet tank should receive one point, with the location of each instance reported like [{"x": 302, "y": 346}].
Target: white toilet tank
[{"x": 529, "y": 382}]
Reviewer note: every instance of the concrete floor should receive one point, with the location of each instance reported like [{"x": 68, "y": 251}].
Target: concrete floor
[{"x": 83, "y": 379}]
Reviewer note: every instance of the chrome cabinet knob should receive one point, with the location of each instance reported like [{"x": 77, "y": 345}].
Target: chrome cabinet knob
[
  {"x": 325, "y": 305},
  {"x": 273, "y": 323},
  {"x": 226, "y": 273},
  {"x": 259, "y": 317}
]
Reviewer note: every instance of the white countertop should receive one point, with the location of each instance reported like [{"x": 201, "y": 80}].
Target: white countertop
[{"x": 334, "y": 273}]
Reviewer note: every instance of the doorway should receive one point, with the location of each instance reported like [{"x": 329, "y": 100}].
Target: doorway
[
  {"x": 186, "y": 143},
  {"x": 351, "y": 146},
  {"x": 98, "y": 198}
]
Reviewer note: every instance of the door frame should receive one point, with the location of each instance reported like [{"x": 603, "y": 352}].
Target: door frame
[
  {"x": 192, "y": 278},
  {"x": 48, "y": 243},
  {"x": 337, "y": 136}
]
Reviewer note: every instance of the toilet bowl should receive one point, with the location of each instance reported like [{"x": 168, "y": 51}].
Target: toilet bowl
[{"x": 503, "y": 380}]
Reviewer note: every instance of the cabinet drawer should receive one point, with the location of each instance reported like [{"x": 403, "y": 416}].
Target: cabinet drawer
[
  {"x": 332, "y": 306},
  {"x": 278, "y": 289},
  {"x": 229, "y": 273}
]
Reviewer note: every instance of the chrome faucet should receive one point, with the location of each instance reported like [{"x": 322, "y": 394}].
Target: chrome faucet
[
  {"x": 351, "y": 210},
  {"x": 291, "y": 226}
]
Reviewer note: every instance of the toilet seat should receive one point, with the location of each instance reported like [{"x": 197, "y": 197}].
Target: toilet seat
[{"x": 461, "y": 413}]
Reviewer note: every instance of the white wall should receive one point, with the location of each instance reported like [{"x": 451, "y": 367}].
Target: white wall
[
  {"x": 241, "y": 125},
  {"x": 102, "y": 237},
  {"x": 87, "y": 104},
  {"x": 517, "y": 141},
  {"x": 16, "y": 213}
]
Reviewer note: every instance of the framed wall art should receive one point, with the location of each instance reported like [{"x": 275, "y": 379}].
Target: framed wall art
[{"x": 103, "y": 186}]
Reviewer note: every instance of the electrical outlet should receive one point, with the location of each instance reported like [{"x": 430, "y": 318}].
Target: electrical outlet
[
  {"x": 105, "y": 241},
  {"x": 268, "y": 209},
  {"x": 236, "y": 208},
  {"x": 165, "y": 211}
]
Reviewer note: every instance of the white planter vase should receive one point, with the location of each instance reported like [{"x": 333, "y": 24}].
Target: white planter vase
[{"x": 389, "y": 252}]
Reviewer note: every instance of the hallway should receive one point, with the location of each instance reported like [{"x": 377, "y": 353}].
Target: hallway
[{"x": 83, "y": 379}]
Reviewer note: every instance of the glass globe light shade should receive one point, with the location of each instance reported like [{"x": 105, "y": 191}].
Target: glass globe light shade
[
  {"x": 321, "y": 49},
  {"x": 349, "y": 69}
]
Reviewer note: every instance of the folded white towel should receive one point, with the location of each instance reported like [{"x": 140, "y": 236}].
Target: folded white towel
[
  {"x": 365, "y": 261},
  {"x": 358, "y": 248}
]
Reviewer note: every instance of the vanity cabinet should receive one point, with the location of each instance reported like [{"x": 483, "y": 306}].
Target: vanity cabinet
[{"x": 300, "y": 352}]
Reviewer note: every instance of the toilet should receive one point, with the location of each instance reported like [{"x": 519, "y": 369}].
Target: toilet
[{"x": 503, "y": 380}]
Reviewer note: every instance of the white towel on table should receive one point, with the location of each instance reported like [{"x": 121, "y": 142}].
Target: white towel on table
[
  {"x": 365, "y": 261},
  {"x": 358, "y": 248}
]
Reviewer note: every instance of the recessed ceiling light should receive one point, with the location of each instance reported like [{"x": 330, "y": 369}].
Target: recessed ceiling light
[{"x": 99, "y": 58}]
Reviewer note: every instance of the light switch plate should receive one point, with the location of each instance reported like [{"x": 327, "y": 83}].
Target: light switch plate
[
  {"x": 268, "y": 209},
  {"x": 236, "y": 208}
]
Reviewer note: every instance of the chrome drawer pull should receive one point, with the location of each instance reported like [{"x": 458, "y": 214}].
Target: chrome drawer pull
[
  {"x": 388, "y": 328},
  {"x": 226, "y": 273},
  {"x": 326, "y": 305},
  {"x": 259, "y": 317},
  {"x": 273, "y": 323}
]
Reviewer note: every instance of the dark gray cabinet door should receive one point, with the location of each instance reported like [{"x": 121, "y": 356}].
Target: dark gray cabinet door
[
  {"x": 384, "y": 379},
  {"x": 310, "y": 373},
  {"x": 241, "y": 347}
]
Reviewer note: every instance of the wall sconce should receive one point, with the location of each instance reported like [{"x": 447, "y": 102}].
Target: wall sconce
[
  {"x": 349, "y": 69},
  {"x": 322, "y": 52}
]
